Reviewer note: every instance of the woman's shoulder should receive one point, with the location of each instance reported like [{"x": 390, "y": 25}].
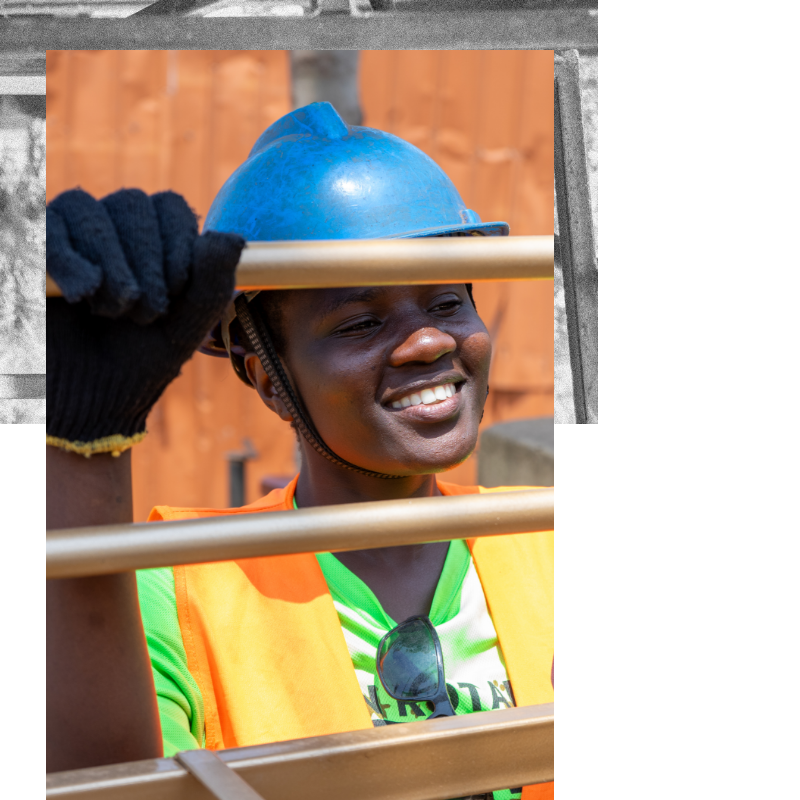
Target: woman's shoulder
[
  {"x": 276, "y": 500},
  {"x": 454, "y": 488}
]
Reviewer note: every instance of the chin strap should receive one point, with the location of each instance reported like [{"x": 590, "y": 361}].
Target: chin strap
[{"x": 261, "y": 342}]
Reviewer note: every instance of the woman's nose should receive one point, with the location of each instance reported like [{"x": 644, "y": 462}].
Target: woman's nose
[{"x": 425, "y": 345}]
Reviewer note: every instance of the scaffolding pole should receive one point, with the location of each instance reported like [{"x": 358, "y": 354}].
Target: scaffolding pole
[
  {"x": 389, "y": 262},
  {"x": 106, "y": 549},
  {"x": 451, "y": 757}
]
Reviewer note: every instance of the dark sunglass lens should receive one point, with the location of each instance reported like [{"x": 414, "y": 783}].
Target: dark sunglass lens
[{"x": 408, "y": 662}]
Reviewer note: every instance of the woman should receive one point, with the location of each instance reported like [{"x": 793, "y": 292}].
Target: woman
[{"x": 385, "y": 387}]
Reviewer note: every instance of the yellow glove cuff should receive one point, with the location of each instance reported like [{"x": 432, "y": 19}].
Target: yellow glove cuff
[{"x": 115, "y": 444}]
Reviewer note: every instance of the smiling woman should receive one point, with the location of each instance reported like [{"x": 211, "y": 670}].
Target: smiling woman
[{"x": 385, "y": 387}]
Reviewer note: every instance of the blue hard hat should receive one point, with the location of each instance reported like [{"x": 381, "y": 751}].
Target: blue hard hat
[{"x": 312, "y": 176}]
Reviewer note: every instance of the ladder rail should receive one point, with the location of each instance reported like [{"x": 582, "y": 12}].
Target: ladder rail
[{"x": 452, "y": 757}]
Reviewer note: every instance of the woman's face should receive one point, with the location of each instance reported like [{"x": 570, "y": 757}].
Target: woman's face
[{"x": 354, "y": 355}]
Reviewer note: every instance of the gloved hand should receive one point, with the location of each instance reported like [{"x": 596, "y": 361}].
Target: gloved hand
[{"x": 140, "y": 290}]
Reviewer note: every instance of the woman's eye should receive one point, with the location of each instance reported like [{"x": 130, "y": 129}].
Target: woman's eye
[
  {"x": 447, "y": 306},
  {"x": 359, "y": 327}
]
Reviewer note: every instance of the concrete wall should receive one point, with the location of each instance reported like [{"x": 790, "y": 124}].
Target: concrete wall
[{"x": 518, "y": 453}]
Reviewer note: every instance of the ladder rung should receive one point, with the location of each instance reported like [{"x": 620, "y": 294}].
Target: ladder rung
[
  {"x": 386, "y": 262},
  {"x": 438, "y": 758},
  {"x": 106, "y": 549},
  {"x": 216, "y": 776}
]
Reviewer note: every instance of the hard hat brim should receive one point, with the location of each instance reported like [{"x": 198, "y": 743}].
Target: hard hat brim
[{"x": 479, "y": 228}]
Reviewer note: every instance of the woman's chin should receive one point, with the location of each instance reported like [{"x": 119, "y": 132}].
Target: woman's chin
[
  {"x": 432, "y": 466},
  {"x": 409, "y": 458}
]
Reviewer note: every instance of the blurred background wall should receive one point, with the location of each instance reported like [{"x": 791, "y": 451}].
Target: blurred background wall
[{"x": 184, "y": 120}]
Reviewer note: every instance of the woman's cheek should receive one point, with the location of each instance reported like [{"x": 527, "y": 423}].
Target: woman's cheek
[
  {"x": 338, "y": 399},
  {"x": 477, "y": 352}
]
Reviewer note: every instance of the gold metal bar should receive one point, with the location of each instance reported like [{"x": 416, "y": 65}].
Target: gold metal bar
[
  {"x": 107, "y": 549},
  {"x": 428, "y": 760},
  {"x": 388, "y": 262},
  {"x": 216, "y": 776}
]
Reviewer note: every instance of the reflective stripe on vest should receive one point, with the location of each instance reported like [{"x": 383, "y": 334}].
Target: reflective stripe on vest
[{"x": 272, "y": 663}]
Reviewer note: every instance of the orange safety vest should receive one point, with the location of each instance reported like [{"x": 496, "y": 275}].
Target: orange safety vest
[{"x": 264, "y": 643}]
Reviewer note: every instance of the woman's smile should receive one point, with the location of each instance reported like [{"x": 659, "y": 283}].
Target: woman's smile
[
  {"x": 428, "y": 401},
  {"x": 438, "y": 411}
]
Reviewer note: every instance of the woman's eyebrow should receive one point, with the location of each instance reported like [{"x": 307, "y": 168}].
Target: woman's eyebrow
[{"x": 357, "y": 296}]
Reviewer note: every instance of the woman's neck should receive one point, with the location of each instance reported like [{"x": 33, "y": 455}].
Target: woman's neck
[
  {"x": 323, "y": 483},
  {"x": 404, "y": 579}
]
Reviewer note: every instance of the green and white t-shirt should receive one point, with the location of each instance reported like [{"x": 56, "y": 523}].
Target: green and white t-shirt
[
  {"x": 473, "y": 665},
  {"x": 474, "y": 668}
]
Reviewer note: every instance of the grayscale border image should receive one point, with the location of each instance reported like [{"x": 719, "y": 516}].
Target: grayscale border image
[
  {"x": 564, "y": 401},
  {"x": 22, "y": 259}
]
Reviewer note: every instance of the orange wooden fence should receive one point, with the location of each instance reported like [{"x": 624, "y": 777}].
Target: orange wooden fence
[{"x": 184, "y": 120}]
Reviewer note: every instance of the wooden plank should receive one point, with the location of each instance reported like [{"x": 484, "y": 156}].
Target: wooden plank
[
  {"x": 58, "y": 103},
  {"x": 92, "y": 122},
  {"x": 143, "y": 120}
]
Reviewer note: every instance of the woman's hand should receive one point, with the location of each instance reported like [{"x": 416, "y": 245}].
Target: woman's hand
[{"x": 141, "y": 288}]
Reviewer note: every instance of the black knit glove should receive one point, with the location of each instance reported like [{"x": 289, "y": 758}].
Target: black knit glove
[{"x": 140, "y": 290}]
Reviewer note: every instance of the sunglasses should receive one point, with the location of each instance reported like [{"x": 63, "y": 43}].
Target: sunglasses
[{"x": 411, "y": 668}]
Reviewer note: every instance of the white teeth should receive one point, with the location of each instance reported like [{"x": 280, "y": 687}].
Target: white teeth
[{"x": 427, "y": 396}]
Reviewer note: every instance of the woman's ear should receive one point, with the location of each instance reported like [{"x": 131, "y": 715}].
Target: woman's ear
[{"x": 263, "y": 385}]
